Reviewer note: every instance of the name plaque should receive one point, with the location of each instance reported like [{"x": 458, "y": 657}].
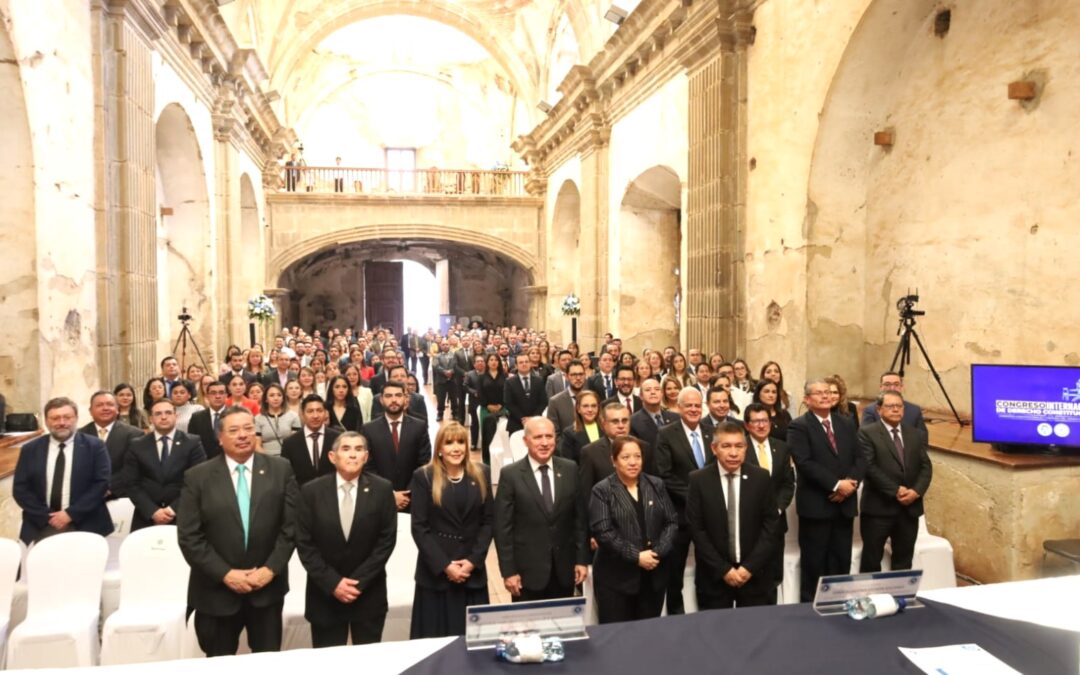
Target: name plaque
[
  {"x": 563, "y": 618},
  {"x": 834, "y": 591}
]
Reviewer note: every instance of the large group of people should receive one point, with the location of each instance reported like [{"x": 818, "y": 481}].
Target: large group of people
[{"x": 319, "y": 442}]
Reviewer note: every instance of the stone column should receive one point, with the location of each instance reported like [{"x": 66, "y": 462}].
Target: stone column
[
  {"x": 442, "y": 284},
  {"x": 716, "y": 208},
  {"x": 126, "y": 198},
  {"x": 233, "y": 292},
  {"x": 593, "y": 249}
]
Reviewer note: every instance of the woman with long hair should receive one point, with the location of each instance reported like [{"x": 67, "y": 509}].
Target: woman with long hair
[
  {"x": 181, "y": 398},
  {"x": 680, "y": 371},
  {"x": 237, "y": 389},
  {"x": 453, "y": 514},
  {"x": 276, "y": 422},
  {"x": 586, "y": 428},
  {"x": 670, "y": 388},
  {"x": 254, "y": 363},
  {"x": 542, "y": 369},
  {"x": 574, "y": 349},
  {"x": 194, "y": 374},
  {"x": 129, "y": 412},
  {"x": 767, "y": 393},
  {"x": 293, "y": 396},
  {"x": 741, "y": 370},
  {"x": 342, "y": 406},
  {"x": 716, "y": 359},
  {"x": 771, "y": 371},
  {"x": 656, "y": 363},
  {"x": 642, "y": 372},
  {"x": 204, "y": 382},
  {"x": 840, "y": 403},
  {"x": 492, "y": 384},
  {"x": 306, "y": 378},
  {"x": 153, "y": 392},
  {"x": 363, "y": 394}
]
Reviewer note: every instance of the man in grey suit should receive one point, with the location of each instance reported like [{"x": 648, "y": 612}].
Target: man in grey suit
[
  {"x": 558, "y": 381},
  {"x": 913, "y": 416},
  {"x": 560, "y": 409},
  {"x": 116, "y": 435},
  {"x": 235, "y": 529},
  {"x": 898, "y": 473},
  {"x": 540, "y": 521}
]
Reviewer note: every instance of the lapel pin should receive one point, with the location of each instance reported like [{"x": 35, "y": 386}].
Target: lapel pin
[
  {"x": 262, "y": 471},
  {"x": 558, "y": 475},
  {"x": 366, "y": 489},
  {"x": 745, "y": 476},
  {"x": 650, "y": 502}
]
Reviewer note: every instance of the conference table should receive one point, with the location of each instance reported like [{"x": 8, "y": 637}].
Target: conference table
[{"x": 1023, "y": 623}]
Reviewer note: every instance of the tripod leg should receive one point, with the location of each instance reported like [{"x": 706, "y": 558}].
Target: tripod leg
[{"x": 937, "y": 377}]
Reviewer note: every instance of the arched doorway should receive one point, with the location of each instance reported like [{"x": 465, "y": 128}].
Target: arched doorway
[
  {"x": 562, "y": 253},
  {"x": 20, "y": 376},
  {"x": 646, "y": 286},
  {"x": 185, "y": 274}
]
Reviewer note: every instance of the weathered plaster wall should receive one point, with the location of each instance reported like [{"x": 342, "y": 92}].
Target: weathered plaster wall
[{"x": 562, "y": 237}]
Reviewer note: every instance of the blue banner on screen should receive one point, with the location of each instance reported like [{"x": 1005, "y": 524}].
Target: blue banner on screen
[{"x": 1038, "y": 405}]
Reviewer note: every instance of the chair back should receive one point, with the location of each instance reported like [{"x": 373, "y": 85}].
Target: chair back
[
  {"x": 517, "y": 445},
  {"x": 121, "y": 511},
  {"x": 153, "y": 571},
  {"x": 10, "y": 558},
  {"x": 297, "y": 574},
  {"x": 65, "y": 573},
  {"x": 402, "y": 563}
]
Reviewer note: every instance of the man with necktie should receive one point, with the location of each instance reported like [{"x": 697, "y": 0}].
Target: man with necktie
[
  {"x": 732, "y": 516},
  {"x": 772, "y": 455},
  {"x": 828, "y": 468},
  {"x": 647, "y": 421},
  {"x": 61, "y": 478},
  {"x": 235, "y": 529},
  {"x": 624, "y": 389},
  {"x": 346, "y": 529},
  {"x": 206, "y": 423},
  {"x": 398, "y": 444},
  {"x": 116, "y": 435},
  {"x": 523, "y": 394},
  {"x": 308, "y": 449},
  {"x": 681, "y": 449},
  {"x": 603, "y": 382},
  {"x": 898, "y": 473}
]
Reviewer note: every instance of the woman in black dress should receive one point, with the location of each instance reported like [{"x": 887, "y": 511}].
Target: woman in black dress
[
  {"x": 453, "y": 512},
  {"x": 492, "y": 383},
  {"x": 342, "y": 406},
  {"x": 585, "y": 428},
  {"x": 840, "y": 403},
  {"x": 767, "y": 393}
]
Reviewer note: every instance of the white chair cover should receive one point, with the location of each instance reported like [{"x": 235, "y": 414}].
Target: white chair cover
[
  {"x": 149, "y": 624},
  {"x": 110, "y": 583},
  {"x": 517, "y": 445},
  {"x": 10, "y": 558},
  {"x": 121, "y": 511},
  {"x": 295, "y": 629},
  {"x": 18, "y": 598},
  {"x": 61, "y": 626},
  {"x": 400, "y": 582}
]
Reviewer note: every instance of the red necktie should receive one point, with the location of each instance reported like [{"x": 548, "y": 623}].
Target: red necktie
[
  {"x": 394, "y": 434},
  {"x": 828, "y": 432}
]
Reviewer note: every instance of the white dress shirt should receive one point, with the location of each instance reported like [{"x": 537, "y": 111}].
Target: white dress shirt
[
  {"x": 157, "y": 441},
  {"x": 99, "y": 429},
  {"x": 322, "y": 440},
  {"x": 539, "y": 477},
  {"x": 737, "y": 553},
  {"x": 341, "y": 493},
  {"x": 50, "y": 469},
  {"x": 705, "y": 450},
  {"x": 249, "y": 474}
]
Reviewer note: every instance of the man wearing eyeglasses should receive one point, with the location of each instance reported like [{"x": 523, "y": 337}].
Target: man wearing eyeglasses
[
  {"x": 772, "y": 455},
  {"x": 898, "y": 473}
]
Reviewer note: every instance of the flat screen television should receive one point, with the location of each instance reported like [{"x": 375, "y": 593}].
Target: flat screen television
[{"x": 1026, "y": 408}]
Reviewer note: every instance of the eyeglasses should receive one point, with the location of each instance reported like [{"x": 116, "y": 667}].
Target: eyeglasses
[
  {"x": 892, "y": 406},
  {"x": 758, "y": 422}
]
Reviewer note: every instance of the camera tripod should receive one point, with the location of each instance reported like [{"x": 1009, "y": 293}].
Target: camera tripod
[
  {"x": 906, "y": 331},
  {"x": 182, "y": 340}
]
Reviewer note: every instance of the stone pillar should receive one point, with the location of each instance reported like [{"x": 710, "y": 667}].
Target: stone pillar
[
  {"x": 442, "y": 284},
  {"x": 716, "y": 208},
  {"x": 593, "y": 249},
  {"x": 279, "y": 296},
  {"x": 230, "y": 300},
  {"x": 125, "y": 201}
]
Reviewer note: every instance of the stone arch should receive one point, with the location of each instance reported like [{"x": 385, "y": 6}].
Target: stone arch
[
  {"x": 331, "y": 16},
  {"x": 20, "y": 378},
  {"x": 563, "y": 255},
  {"x": 646, "y": 275},
  {"x": 185, "y": 270}
]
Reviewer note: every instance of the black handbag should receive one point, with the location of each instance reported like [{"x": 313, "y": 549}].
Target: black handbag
[{"x": 19, "y": 422}]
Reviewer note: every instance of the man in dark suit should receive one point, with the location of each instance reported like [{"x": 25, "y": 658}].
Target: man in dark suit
[
  {"x": 236, "y": 367},
  {"x": 624, "y": 389},
  {"x": 116, "y": 435},
  {"x": 595, "y": 462},
  {"x": 235, "y": 529},
  {"x": 417, "y": 406},
  {"x": 898, "y": 473},
  {"x": 398, "y": 443},
  {"x": 913, "y": 416},
  {"x": 718, "y": 402},
  {"x": 61, "y": 478},
  {"x": 206, "y": 423},
  {"x": 524, "y": 395},
  {"x": 154, "y": 467},
  {"x": 681, "y": 448},
  {"x": 346, "y": 529},
  {"x": 457, "y": 381},
  {"x": 829, "y": 468},
  {"x": 603, "y": 382},
  {"x": 561, "y": 406},
  {"x": 647, "y": 421},
  {"x": 279, "y": 375},
  {"x": 308, "y": 450},
  {"x": 170, "y": 372},
  {"x": 540, "y": 521},
  {"x": 472, "y": 397},
  {"x": 772, "y": 455},
  {"x": 731, "y": 512},
  {"x": 558, "y": 381},
  {"x": 442, "y": 369},
  {"x": 414, "y": 347}
]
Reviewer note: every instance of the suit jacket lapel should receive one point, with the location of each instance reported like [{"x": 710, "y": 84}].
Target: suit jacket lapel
[
  {"x": 533, "y": 487},
  {"x": 221, "y": 483},
  {"x": 260, "y": 485},
  {"x": 887, "y": 439}
]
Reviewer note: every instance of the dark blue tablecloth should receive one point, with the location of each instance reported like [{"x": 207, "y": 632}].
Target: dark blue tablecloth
[{"x": 784, "y": 639}]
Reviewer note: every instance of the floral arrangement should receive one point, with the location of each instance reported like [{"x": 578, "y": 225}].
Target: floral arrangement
[
  {"x": 261, "y": 308},
  {"x": 571, "y": 305}
]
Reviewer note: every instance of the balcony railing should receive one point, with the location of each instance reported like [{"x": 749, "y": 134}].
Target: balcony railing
[{"x": 336, "y": 179}]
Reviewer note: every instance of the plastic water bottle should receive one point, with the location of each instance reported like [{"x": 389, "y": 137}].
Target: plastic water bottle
[{"x": 873, "y": 606}]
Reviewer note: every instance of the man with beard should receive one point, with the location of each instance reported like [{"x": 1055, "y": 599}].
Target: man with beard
[{"x": 398, "y": 443}]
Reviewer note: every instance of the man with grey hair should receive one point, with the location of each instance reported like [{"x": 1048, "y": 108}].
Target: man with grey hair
[
  {"x": 680, "y": 449},
  {"x": 829, "y": 468},
  {"x": 61, "y": 478}
]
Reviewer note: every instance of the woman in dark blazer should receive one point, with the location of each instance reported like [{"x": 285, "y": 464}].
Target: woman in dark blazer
[
  {"x": 767, "y": 393},
  {"x": 585, "y": 429},
  {"x": 342, "y": 406},
  {"x": 492, "y": 385},
  {"x": 634, "y": 524},
  {"x": 452, "y": 517}
]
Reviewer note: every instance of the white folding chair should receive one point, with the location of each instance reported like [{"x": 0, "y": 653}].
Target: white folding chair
[
  {"x": 295, "y": 629},
  {"x": 121, "y": 511},
  {"x": 18, "y": 598},
  {"x": 149, "y": 624},
  {"x": 10, "y": 558},
  {"x": 517, "y": 445},
  {"x": 61, "y": 626},
  {"x": 933, "y": 555},
  {"x": 400, "y": 582}
]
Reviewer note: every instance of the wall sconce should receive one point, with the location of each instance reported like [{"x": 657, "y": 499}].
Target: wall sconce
[
  {"x": 884, "y": 138},
  {"x": 1022, "y": 90}
]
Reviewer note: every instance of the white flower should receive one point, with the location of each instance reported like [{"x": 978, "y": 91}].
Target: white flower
[
  {"x": 571, "y": 305},
  {"x": 261, "y": 308}
]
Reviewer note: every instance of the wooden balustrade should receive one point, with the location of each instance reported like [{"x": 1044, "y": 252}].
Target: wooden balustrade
[{"x": 337, "y": 179}]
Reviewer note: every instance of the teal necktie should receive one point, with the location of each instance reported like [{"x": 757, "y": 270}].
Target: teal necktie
[{"x": 243, "y": 499}]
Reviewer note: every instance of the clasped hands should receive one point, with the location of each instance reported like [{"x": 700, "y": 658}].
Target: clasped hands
[
  {"x": 58, "y": 520},
  {"x": 906, "y": 495},
  {"x": 459, "y": 571},
  {"x": 246, "y": 581},
  {"x": 513, "y": 583},
  {"x": 648, "y": 560},
  {"x": 736, "y": 577},
  {"x": 164, "y": 515},
  {"x": 844, "y": 489}
]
